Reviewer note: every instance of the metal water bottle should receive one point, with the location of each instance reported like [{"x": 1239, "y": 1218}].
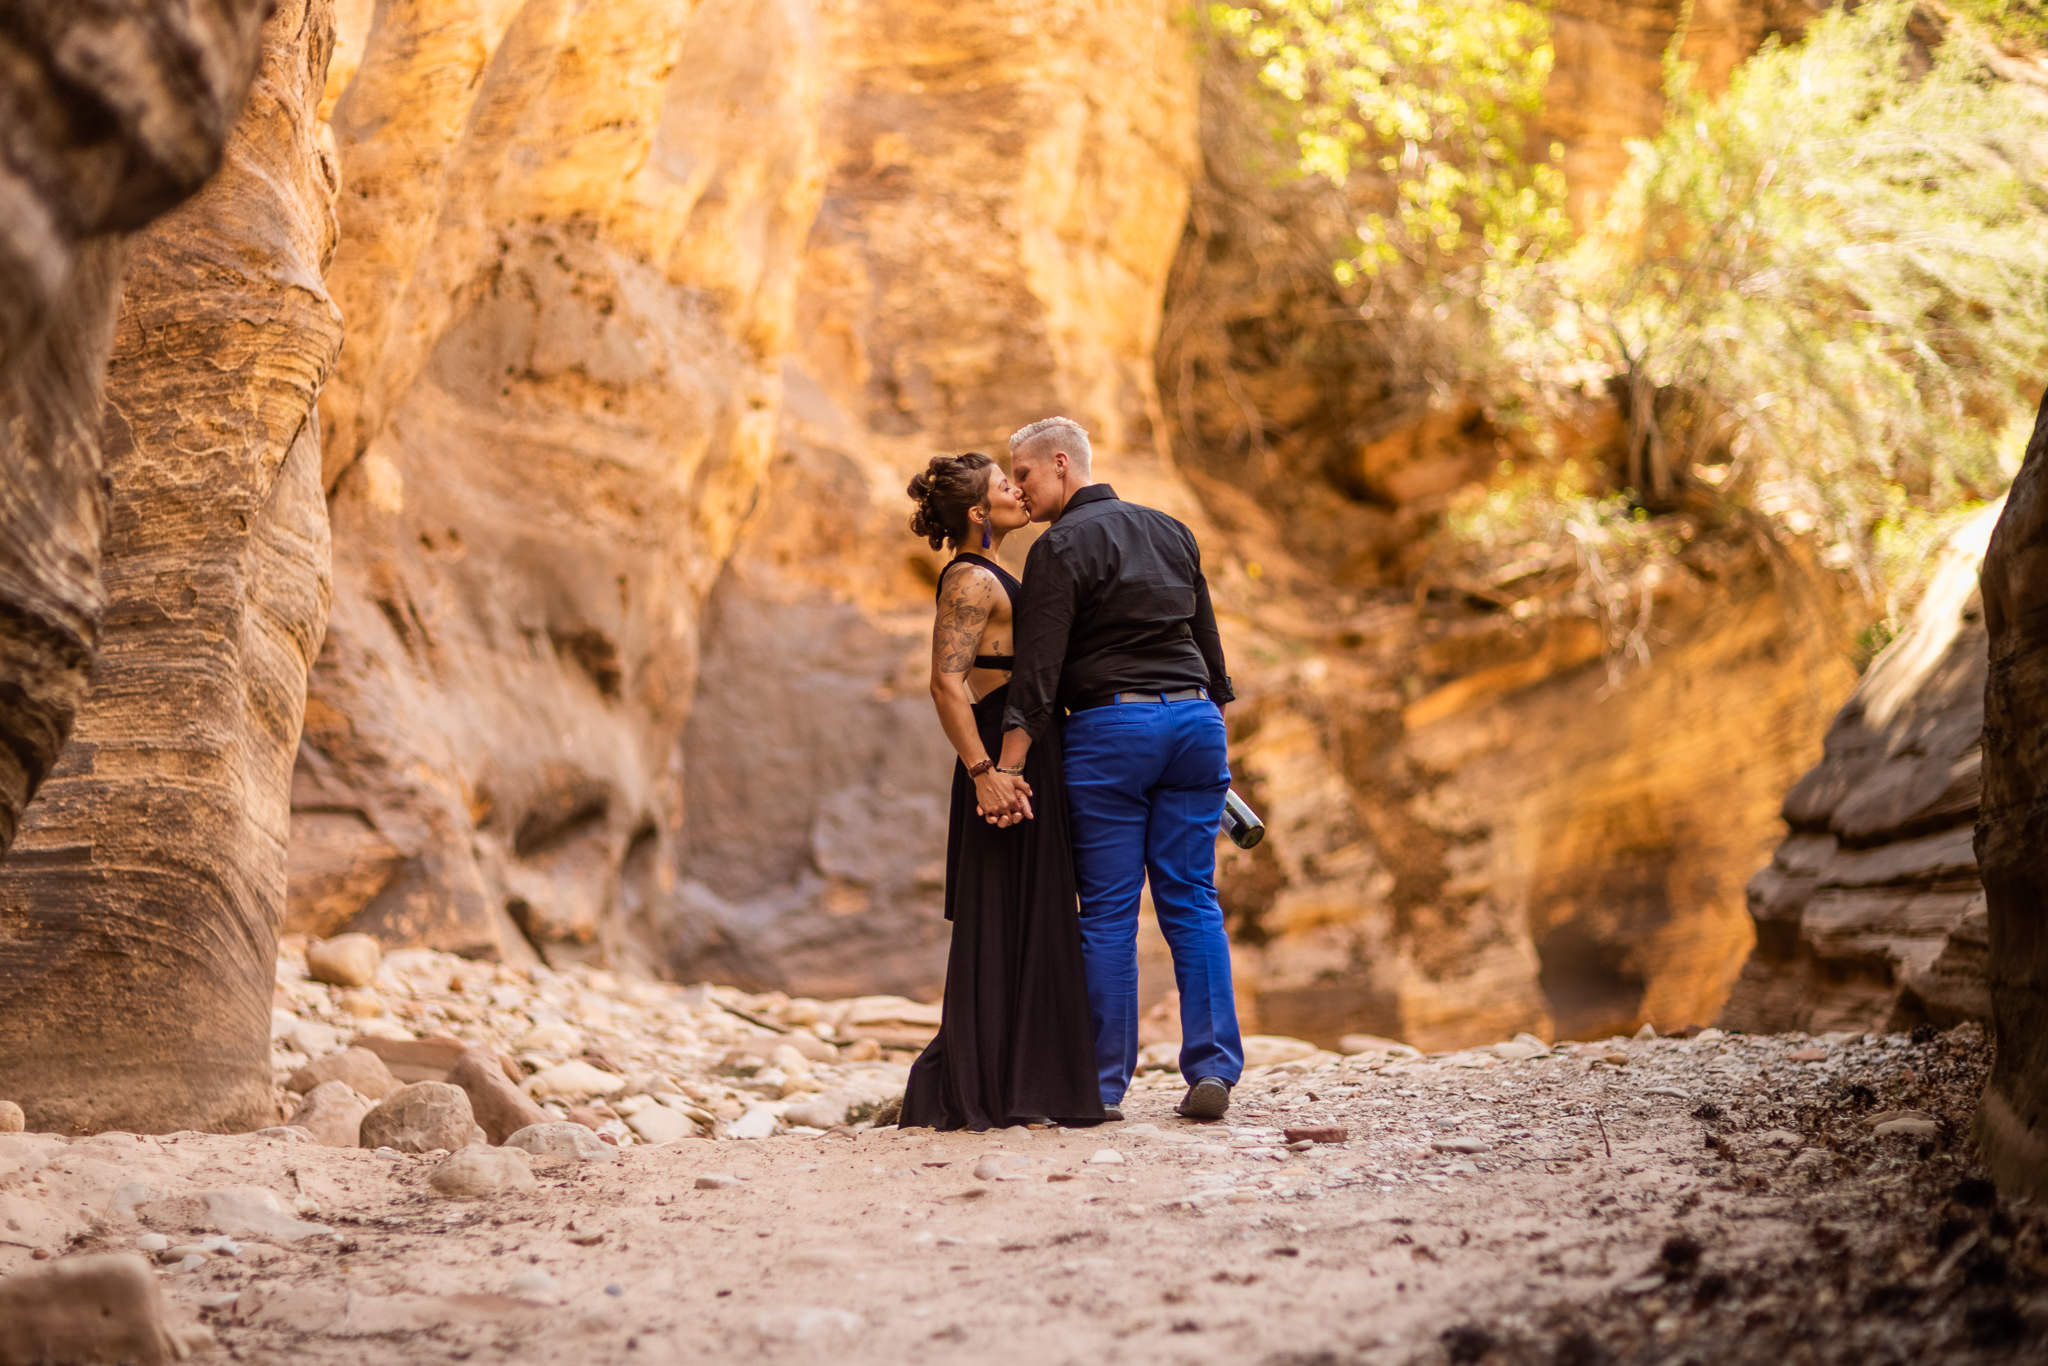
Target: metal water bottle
[{"x": 1240, "y": 822}]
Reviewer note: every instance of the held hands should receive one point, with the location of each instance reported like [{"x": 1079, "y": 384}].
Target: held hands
[{"x": 1002, "y": 799}]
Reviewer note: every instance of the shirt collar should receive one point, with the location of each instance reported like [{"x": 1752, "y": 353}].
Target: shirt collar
[{"x": 1091, "y": 493}]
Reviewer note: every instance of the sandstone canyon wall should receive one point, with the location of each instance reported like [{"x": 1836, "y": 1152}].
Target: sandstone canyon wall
[
  {"x": 570, "y": 239},
  {"x": 2012, "y": 827},
  {"x": 140, "y": 903},
  {"x": 1528, "y": 802},
  {"x": 114, "y": 116},
  {"x": 650, "y": 311},
  {"x": 1005, "y": 194},
  {"x": 650, "y": 319}
]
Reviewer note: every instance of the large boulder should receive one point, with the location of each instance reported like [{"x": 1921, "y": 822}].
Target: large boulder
[
  {"x": 422, "y": 1117},
  {"x": 2012, "y": 827},
  {"x": 1871, "y": 915}
]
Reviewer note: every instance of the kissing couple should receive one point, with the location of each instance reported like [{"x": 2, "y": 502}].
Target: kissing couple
[{"x": 1086, "y": 706}]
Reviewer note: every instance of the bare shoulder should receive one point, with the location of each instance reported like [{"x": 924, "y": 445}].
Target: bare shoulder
[{"x": 967, "y": 585}]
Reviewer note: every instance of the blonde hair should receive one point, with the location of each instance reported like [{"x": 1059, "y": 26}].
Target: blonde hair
[{"x": 1069, "y": 433}]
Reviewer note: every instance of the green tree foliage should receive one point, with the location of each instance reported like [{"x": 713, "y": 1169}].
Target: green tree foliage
[
  {"x": 1826, "y": 290},
  {"x": 1821, "y": 295},
  {"x": 2021, "y": 24},
  {"x": 1429, "y": 98}
]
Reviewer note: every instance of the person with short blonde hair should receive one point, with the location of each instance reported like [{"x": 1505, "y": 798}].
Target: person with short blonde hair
[{"x": 1116, "y": 630}]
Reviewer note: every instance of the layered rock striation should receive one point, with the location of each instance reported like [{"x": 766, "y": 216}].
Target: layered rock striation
[
  {"x": 116, "y": 114},
  {"x": 140, "y": 903},
  {"x": 1871, "y": 915}
]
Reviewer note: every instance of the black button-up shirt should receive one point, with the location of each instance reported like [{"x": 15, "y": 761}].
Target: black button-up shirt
[{"x": 1114, "y": 601}]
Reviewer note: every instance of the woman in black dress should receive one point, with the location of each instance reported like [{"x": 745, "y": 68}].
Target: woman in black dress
[{"x": 1015, "y": 1044}]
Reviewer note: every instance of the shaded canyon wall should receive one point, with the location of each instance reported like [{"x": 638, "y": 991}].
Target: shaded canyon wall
[
  {"x": 2012, "y": 827},
  {"x": 139, "y": 906},
  {"x": 1871, "y": 914}
]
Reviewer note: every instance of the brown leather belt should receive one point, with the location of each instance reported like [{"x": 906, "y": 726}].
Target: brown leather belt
[{"x": 1177, "y": 695}]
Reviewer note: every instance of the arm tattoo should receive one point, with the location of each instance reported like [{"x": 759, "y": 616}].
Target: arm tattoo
[{"x": 963, "y": 613}]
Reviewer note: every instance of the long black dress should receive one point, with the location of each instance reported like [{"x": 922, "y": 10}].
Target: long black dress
[{"x": 1015, "y": 1040}]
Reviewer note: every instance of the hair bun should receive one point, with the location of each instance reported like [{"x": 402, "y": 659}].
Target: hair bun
[{"x": 944, "y": 490}]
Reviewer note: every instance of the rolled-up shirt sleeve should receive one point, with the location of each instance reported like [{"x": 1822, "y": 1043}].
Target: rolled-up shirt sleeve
[
  {"x": 1209, "y": 641},
  {"x": 1043, "y": 622}
]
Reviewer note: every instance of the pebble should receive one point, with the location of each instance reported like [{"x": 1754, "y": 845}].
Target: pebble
[
  {"x": 361, "y": 1005},
  {"x": 12, "y": 1120},
  {"x": 333, "y": 1114},
  {"x": 152, "y": 1243},
  {"x": 1316, "y": 1133},
  {"x": 659, "y": 1124},
  {"x": 1887, "y": 1116},
  {"x": 536, "y": 1286},
  {"x": 421, "y": 1118},
  {"x": 347, "y": 960},
  {"x": 1908, "y": 1128},
  {"x": 553, "y": 1036},
  {"x": 1465, "y": 1144},
  {"x": 1807, "y": 1055},
  {"x": 559, "y": 1138},
  {"x": 478, "y": 1172},
  {"x": 1646, "y": 1033},
  {"x": 500, "y": 1107},
  {"x": 1106, "y": 1157},
  {"x": 758, "y": 1122},
  {"x": 792, "y": 1063},
  {"x": 363, "y": 1070},
  {"x": 573, "y": 1080},
  {"x": 717, "y": 1181},
  {"x": 256, "y": 1212},
  {"x": 824, "y": 1112},
  {"x": 1003, "y": 1167}
]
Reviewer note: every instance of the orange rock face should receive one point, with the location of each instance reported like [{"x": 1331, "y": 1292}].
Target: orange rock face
[
  {"x": 570, "y": 240},
  {"x": 650, "y": 312}
]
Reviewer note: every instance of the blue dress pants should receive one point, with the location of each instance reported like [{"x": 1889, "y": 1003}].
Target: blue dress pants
[{"x": 1145, "y": 785}]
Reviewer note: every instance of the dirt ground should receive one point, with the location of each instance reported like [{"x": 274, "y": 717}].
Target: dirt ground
[{"x": 1715, "y": 1199}]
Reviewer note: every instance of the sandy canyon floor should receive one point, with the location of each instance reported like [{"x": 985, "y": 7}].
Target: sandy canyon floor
[{"x": 1718, "y": 1198}]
